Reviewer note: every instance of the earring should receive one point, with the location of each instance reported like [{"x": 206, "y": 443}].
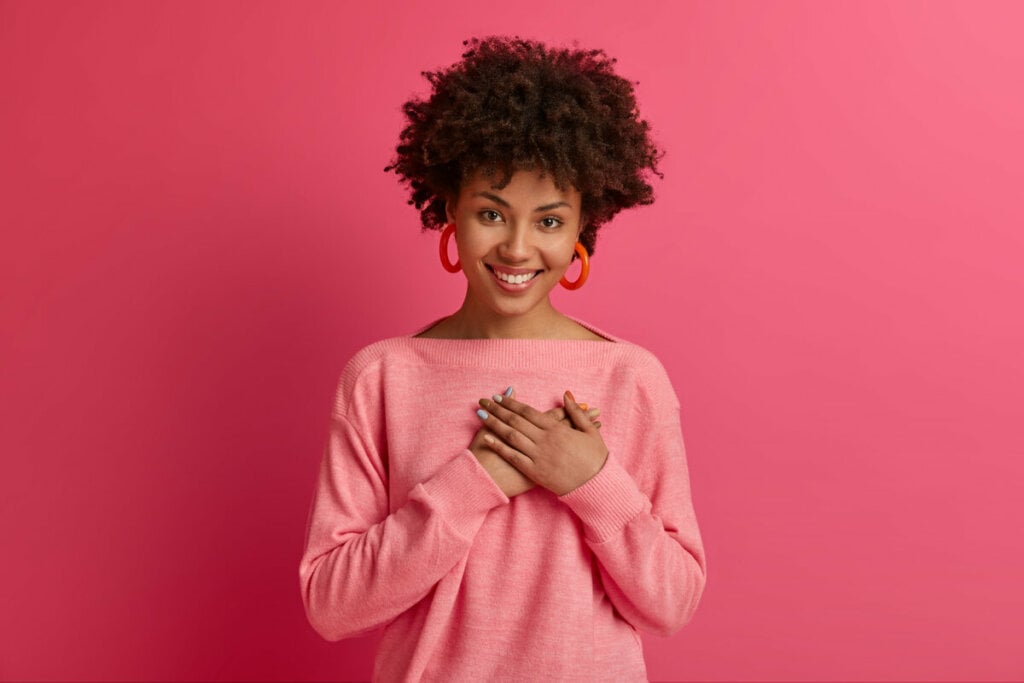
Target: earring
[
  {"x": 449, "y": 230},
  {"x": 581, "y": 251}
]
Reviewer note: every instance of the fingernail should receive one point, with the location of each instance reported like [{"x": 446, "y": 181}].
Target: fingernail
[
  {"x": 571, "y": 397},
  {"x": 583, "y": 406},
  {"x": 508, "y": 392},
  {"x": 497, "y": 398},
  {"x": 482, "y": 414}
]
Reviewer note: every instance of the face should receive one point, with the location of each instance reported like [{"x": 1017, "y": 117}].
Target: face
[{"x": 515, "y": 243}]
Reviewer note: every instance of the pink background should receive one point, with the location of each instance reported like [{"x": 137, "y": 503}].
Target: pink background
[{"x": 197, "y": 233}]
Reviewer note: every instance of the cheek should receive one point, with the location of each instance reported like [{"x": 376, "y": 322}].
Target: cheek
[
  {"x": 472, "y": 245},
  {"x": 564, "y": 255}
]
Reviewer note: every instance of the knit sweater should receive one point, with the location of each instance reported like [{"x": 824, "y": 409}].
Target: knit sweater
[{"x": 407, "y": 531}]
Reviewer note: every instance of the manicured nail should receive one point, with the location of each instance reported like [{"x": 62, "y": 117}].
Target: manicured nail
[
  {"x": 482, "y": 414},
  {"x": 583, "y": 406},
  {"x": 571, "y": 397},
  {"x": 508, "y": 392},
  {"x": 488, "y": 438},
  {"x": 497, "y": 398}
]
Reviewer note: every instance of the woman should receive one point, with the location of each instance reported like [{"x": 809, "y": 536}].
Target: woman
[{"x": 466, "y": 502}]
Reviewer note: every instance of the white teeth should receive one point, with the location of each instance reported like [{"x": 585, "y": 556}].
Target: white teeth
[{"x": 515, "y": 279}]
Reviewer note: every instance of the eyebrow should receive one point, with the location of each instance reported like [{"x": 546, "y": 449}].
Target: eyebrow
[{"x": 498, "y": 200}]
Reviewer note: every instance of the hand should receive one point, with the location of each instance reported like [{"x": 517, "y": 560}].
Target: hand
[
  {"x": 548, "y": 451},
  {"x": 511, "y": 481}
]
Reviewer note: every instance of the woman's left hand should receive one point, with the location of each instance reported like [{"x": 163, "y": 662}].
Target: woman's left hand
[{"x": 548, "y": 451}]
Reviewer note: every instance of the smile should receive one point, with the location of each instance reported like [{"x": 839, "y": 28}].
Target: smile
[{"x": 514, "y": 282}]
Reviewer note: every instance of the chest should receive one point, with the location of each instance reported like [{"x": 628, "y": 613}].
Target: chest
[{"x": 430, "y": 422}]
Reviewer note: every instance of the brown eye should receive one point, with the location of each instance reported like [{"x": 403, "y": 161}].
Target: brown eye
[
  {"x": 550, "y": 222},
  {"x": 490, "y": 216}
]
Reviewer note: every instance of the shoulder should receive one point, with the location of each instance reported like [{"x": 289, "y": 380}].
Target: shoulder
[
  {"x": 624, "y": 350},
  {"x": 376, "y": 353},
  {"x": 635, "y": 365},
  {"x": 643, "y": 361},
  {"x": 361, "y": 376}
]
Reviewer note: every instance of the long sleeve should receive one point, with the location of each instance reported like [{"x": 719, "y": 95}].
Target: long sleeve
[
  {"x": 647, "y": 543},
  {"x": 363, "y": 565},
  {"x": 408, "y": 532}
]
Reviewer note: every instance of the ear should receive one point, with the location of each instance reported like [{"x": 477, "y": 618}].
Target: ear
[
  {"x": 449, "y": 209},
  {"x": 582, "y": 226}
]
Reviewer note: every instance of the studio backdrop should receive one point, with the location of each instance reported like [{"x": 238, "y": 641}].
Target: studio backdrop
[{"x": 196, "y": 232}]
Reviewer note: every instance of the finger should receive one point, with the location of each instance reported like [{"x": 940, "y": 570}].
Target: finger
[
  {"x": 556, "y": 413},
  {"x": 527, "y": 412},
  {"x": 506, "y": 426},
  {"x": 518, "y": 420},
  {"x": 560, "y": 414},
  {"x": 579, "y": 417},
  {"x": 517, "y": 459}
]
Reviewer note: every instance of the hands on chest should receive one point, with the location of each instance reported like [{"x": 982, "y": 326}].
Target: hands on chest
[{"x": 520, "y": 446}]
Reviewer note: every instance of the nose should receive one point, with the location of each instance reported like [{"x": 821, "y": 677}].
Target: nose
[{"x": 517, "y": 245}]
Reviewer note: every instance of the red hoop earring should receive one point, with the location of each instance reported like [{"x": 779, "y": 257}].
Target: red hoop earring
[
  {"x": 581, "y": 251},
  {"x": 449, "y": 230}
]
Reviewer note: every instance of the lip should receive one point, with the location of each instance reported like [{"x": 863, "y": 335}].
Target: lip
[
  {"x": 508, "y": 286},
  {"x": 512, "y": 271}
]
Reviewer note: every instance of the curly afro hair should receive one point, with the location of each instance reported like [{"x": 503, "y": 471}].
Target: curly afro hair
[{"x": 512, "y": 104}]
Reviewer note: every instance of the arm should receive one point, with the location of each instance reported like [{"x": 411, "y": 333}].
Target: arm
[
  {"x": 647, "y": 542},
  {"x": 362, "y": 566},
  {"x": 645, "y": 539}
]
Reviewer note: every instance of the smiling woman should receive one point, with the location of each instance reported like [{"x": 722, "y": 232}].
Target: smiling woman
[
  {"x": 528, "y": 540},
  {"x": 515, "y": 244}
]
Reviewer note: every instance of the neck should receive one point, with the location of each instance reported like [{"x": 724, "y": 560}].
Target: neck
[{"x": 475, "y": 322}]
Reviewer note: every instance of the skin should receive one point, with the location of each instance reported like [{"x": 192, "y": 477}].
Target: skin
[
  {"x": 529, "y": 226},
  {"x": 547, "y": 451},
  {"x": 501, "y": 463}
]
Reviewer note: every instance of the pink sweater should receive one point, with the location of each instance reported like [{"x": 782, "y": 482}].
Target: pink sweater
[{"x": 407, "y": 531}]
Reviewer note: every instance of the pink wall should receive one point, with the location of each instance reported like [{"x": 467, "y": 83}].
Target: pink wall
[{"x": 196, "y": 234}]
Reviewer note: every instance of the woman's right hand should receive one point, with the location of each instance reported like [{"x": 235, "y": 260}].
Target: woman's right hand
[{"x": 511, "y": 481}]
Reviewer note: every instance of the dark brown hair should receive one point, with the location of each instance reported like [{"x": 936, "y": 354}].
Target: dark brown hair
[{"x": 512, "y": 104}]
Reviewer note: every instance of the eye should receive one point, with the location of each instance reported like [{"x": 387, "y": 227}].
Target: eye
[
  {"x": 550, "y": 222},
  {"x": 490, "y": 216}
]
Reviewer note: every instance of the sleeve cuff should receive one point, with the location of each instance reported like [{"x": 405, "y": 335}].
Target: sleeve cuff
[
  {"x": 463, "y": 493},
  {"x": 607, "y": 502}
]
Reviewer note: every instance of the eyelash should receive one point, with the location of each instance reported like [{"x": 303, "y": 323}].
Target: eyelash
[{"x": 492, "y": 216}]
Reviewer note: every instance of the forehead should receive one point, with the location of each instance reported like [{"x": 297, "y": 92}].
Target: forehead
[{"x": 527, "y": 186}]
